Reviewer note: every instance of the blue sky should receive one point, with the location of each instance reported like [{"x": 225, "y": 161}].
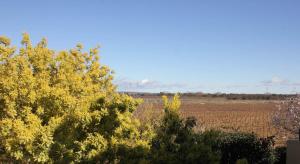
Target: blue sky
[{"x": 240, "y": 46}]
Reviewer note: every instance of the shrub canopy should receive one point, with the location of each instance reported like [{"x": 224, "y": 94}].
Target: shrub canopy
[{"x": 62, "y": 106}]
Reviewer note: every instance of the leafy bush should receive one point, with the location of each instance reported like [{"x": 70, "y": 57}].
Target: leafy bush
[
  {"x": 280, "y": 155},
  {"x": 176, "y": 142},
  {"x": 237, "y": 146},
  {"x": 62, "y": 107}
]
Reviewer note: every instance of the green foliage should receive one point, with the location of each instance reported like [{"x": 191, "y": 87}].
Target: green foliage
[
  {"x": 280, "y": 155},
  {"x": 242, "y": 161},
  {"x": 241, "y": 146},
  {"x": 175, "y": 140}
]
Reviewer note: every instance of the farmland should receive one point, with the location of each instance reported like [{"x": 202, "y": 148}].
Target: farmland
[{"x": 221, "y": 113}]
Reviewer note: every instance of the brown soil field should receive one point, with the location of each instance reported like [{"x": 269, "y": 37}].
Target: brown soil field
[{"x": 222, "y": 114}]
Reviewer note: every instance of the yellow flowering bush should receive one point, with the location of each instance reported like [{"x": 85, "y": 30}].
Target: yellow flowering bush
[{"x": 62, "y": 106}]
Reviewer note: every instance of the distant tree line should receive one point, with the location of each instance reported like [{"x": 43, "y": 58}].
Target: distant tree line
[{"x": 230, "y": 96}]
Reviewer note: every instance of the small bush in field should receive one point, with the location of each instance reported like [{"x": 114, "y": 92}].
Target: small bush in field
[{"x": 175, "y": 140}]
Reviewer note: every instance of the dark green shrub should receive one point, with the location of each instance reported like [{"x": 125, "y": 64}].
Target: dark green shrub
[
  {"x": 242, "y": 161},
  {"x": 236, "y": 146},
  {"x": 280, "y": 155},
  {"x": 176, "y": 141}
]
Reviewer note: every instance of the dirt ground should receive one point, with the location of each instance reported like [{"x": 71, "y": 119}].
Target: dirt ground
[{"x": 219, "y": 113}]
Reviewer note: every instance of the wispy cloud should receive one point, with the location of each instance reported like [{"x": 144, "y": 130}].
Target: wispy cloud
[
  {"x": 275, "y": 81},
  {"x": 276, "y": 84},
  {"x": 125, "y": 84},
  {"x": 295, "y": 84}
]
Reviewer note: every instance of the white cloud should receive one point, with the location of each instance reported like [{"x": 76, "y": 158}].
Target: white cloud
[
  {"x": 125, "y": 84},
  {"x": 145, "y": 81},
  {"x": 276, "y": 81}
]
